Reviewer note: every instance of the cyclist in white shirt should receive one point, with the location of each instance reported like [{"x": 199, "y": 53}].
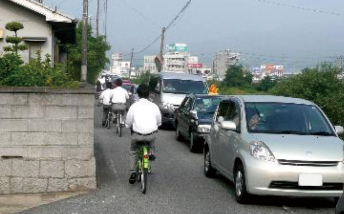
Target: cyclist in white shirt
[
  {"x": 144, "y": 118},
  {"x": 119, "y": 98},
  {"x": 106, "y": 96}
]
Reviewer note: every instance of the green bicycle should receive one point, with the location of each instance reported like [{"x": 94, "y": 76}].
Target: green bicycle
[{"x": 143, "y": 165}]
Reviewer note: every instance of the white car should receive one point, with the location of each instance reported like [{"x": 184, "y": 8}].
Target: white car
[{"x": 270, "y": 145}]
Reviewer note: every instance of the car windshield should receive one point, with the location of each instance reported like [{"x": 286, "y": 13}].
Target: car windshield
[
  {"x": 206, "y": 106},
  {"x": 184, "y": 86},
  {"x": 282, "y": 118}
]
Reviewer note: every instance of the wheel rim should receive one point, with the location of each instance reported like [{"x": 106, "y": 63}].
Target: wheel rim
[
  {"x": 207, "y": 161},
  {"x": 239, "y": 182}
]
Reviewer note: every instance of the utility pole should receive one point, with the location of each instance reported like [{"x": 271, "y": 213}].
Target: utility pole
[
  {"x": 162, "y": 48},
  {"x": 131, "y": 62},
  {"x": 84, "y": 42},
  {"x": 97, "y": 21}
]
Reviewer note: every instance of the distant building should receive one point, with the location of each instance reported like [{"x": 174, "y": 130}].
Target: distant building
[
  {"x": 149, "y": 64},
  {"x": 273, "y": 71},
  {"x": 176, "y": 59},
  {"x": 223, "y": 61},
  {"x": 119, "y": 66}
]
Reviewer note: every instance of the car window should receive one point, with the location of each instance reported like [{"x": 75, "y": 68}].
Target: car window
[
  {"x": 286, "y": 118},
  {"x": 184, "y": 86},
  {"x": 223, "y": 109},
  {"x": 233, "y": 113},
  {"x": 186, "y": 105}
]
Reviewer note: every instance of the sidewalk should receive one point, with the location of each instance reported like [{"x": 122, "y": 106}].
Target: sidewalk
[{"x": 17, "y": 203}]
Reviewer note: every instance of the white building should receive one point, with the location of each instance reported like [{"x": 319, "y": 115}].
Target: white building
[
  {"x": 149, "y": 64},
  {"x": 223, "y": 61},
  {"x": 176, "y": 61}
]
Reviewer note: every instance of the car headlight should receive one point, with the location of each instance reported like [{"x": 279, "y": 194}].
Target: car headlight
[
  {"x": 203, "y": 128},
  {"x": 260, "y": 151}
]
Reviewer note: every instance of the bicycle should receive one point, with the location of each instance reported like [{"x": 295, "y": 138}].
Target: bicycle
[
  {"x": 108, "y": 118},
  {"x": 119, "y": 121},
  {"x": 143, "y": 164}
]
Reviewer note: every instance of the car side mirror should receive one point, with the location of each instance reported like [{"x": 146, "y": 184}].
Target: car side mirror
[
  {"x": 339, "y": 129},
  {"x": 220, "y": 119},
  {"x": 228, "y": 125},
  {"x": 193, "y": 114}
]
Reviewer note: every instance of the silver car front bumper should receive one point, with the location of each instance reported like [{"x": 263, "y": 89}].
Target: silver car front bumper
[{"x": 272, "y": 178}]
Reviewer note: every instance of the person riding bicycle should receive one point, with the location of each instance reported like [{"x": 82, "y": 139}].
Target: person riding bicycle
[
  {"x": 144, "y": 118},
  {"x": 106, "y": 96},
  {"x": 119, "y": 98}
]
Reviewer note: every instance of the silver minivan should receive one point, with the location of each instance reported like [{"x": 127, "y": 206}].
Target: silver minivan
[
  {"x": 168, "y": 90},
  {"x": 269, "y": 145}
]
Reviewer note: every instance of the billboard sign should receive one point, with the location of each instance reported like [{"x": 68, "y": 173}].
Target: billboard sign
[
  {"x": 195, "y": 65},
  {"x": 176, "y": 47}
]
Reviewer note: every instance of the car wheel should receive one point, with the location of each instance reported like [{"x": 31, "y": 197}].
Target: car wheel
[
  {"x": 193, "y": 143},
  {"x": 241, "y": 193},
  {"x": 209, "y": 171},
  {"x": 179, "y": 137}
]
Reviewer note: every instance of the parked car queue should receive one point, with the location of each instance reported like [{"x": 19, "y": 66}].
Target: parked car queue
[{"x": 266, "y": 145}]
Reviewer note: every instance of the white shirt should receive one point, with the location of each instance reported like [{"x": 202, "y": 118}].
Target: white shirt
[
  {"x": 120, "y": 95},
  {"x": 144, "y": 116},
  {"x": 106, "y": 96},
  {"x": 102, "y": 82}
]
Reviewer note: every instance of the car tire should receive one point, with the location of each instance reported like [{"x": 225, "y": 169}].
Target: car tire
[
  {"x": 179, "y": 137},
  {"x": 209, "y": 171},
  {"x": 241, "y": 193},
  {"x": 193, "y": 143}
]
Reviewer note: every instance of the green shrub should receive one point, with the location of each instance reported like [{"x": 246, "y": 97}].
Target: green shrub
[
  {"x": 223, "y": 90},
  {"x": 319, "y": 85},
  {"x": 37, "y": 73}
]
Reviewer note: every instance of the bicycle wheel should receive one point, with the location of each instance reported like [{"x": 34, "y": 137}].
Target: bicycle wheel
[
  {"x": 108, "y": 122},
  {"x": 118, "y": 125},
  {"x": 144, "y": 178}
]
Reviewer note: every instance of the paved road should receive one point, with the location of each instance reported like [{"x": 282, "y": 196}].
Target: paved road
[{"x": 177, "y": 185}]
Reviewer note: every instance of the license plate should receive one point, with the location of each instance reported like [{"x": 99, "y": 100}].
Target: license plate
[{"x": 310, "y": 180}]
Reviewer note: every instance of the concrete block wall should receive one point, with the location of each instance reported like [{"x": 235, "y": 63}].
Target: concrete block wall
[{"x": 46, "y": 140}]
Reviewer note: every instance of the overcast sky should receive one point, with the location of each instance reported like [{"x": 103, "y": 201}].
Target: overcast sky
[{"x": 296, "y": 33}]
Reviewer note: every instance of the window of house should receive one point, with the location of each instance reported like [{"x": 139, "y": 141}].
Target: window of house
[{"x": 33, "y": 48}]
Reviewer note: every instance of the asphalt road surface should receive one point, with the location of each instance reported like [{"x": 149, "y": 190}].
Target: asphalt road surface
[{"x": 177, "y": 184}]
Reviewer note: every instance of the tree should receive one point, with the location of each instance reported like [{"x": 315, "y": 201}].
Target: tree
[
  {"x": 14, "y": 40},
  {"x": 96, "y": 56},
  {"x": 237, "y": 76},
  {"x": 319, "y": 85},
  {"x": 266, "y": 84}
]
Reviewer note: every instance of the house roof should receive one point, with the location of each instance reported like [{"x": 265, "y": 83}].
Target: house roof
[{"x": 50, "y": 14}]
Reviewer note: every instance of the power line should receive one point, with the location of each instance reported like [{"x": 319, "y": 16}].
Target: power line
[
  {"x": 139, "y": 13},
  {"x": 175, "y": 19},
  {"x": 301, "y": 8},
  {"x": 168, "y": 26}
]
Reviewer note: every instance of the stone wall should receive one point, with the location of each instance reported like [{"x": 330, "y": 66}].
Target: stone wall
[{"x": 46, "y": 140}]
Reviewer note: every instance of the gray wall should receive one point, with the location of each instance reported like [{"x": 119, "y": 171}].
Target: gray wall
[
  {"x": 34, "y": 26},
  {"x": 46, "y": 140}
]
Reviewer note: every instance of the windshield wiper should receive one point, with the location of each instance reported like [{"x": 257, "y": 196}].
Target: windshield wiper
[{"x": 322, "y": 133}]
